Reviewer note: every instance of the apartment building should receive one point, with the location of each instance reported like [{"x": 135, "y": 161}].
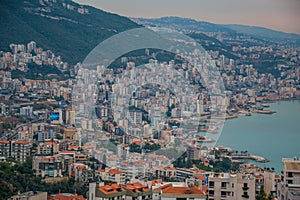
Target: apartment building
[
  {"x": 289, "y": 187},
  {"x": 112, "y": 175},
  {"x": 19, "y": 150},
  {"x": 47, "y": 166},
  {"x": 231, "y": 186}
]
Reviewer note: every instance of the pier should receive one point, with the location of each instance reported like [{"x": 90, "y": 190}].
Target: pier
[{"x": 250, "y": 157}]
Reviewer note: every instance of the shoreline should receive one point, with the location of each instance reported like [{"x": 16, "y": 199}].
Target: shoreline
[{"x": 260, "y": 162}]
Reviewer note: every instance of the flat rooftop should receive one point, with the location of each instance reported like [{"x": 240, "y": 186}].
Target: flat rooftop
[{"x": 292, "y": 165}]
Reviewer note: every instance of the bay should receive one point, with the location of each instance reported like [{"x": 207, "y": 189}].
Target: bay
[{"x": 273, "y": 136}]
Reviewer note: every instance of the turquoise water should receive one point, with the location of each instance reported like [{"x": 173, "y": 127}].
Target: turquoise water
[{"x": 271, "y": 136}]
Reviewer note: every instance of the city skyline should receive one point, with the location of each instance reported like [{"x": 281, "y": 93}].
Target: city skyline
[{"x": 274, "y": 14}]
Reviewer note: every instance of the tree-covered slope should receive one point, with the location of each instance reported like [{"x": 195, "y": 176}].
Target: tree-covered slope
[{"x": 57, "y": 25}]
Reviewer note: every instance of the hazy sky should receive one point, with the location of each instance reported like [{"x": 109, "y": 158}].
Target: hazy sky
[{"x": 276, "y": 14}]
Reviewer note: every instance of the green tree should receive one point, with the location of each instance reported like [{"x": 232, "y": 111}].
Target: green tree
[{"x": 261, "y": 194}]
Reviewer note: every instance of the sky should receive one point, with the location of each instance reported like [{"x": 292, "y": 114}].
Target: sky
[{"x": 282, "y": 15}]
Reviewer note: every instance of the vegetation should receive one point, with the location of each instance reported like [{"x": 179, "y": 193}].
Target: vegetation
[
  {"x": 225, "y": 164},
  {"x": 21, "y": 23},
  {"x": 147, "y": 148},
  {"x": 220, "y": 165},
  {"x": 210, "y": 43},
  {"x": 38, "y": 72},
  {"x": 262, "y": 195},
  {"x": 20, "y": 178}
]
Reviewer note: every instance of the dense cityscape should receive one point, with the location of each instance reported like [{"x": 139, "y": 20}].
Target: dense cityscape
[{"x": 71, "y": 133}]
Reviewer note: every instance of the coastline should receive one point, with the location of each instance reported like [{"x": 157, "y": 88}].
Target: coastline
[{"x": 258, "y": 124}]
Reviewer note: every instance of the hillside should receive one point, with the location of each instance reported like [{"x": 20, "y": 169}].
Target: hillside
[
  {"x": 186, "y": 24},
  {"x": 65, "y": 27},
  {"x": 265, "y": 33}
]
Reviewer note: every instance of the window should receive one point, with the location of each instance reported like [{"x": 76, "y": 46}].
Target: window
[
  {"x": 223, "y": 194},
  {"x": 245, "y": 195},
  {"x": 223, "y": 185}
]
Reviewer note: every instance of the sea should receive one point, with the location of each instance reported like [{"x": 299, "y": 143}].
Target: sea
[{"x": 274, "y": 136}]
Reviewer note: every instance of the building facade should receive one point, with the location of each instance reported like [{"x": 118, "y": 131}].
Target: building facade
[
  {"x": 19, "y": 150},
  {"x": 231, "y": 186},
  {"x": 289, "y": 187}
]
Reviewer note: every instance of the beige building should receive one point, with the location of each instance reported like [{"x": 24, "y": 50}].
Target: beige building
[
  {"x": 271, "y": 180},
  {"x": 231, "y": 186},
  {"x": 30, "y": 196},
  {"x": 69, "y": 133},
  {"x": 113, "y": 175},
  {"x": 289, "y": 187},
  {"x": 47, "y": 148}
]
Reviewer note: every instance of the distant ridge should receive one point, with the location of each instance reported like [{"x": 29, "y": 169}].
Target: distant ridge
[
  {"x": 183, "y": 24},
  {"x": 194, "y": 25},
  {"x": 261, "y": 32}
]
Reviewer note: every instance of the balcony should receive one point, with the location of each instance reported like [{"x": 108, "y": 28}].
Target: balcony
[
  {"x": 245, "y": 196},
  {"x": 246, "y": 188}
]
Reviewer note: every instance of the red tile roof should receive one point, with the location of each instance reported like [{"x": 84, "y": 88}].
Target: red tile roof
[
  {"x": 20, "y": 142},
  {"x": 114, "y": 171},
  {"x": 111, "y": 188},
  {"x": 100, "y": 170},
  {"x": 81, "y": 167},
  {"x": 182, "y": 190},
  {"x": 66, "y": 197},
  {"x": 136, "y": 187}
]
